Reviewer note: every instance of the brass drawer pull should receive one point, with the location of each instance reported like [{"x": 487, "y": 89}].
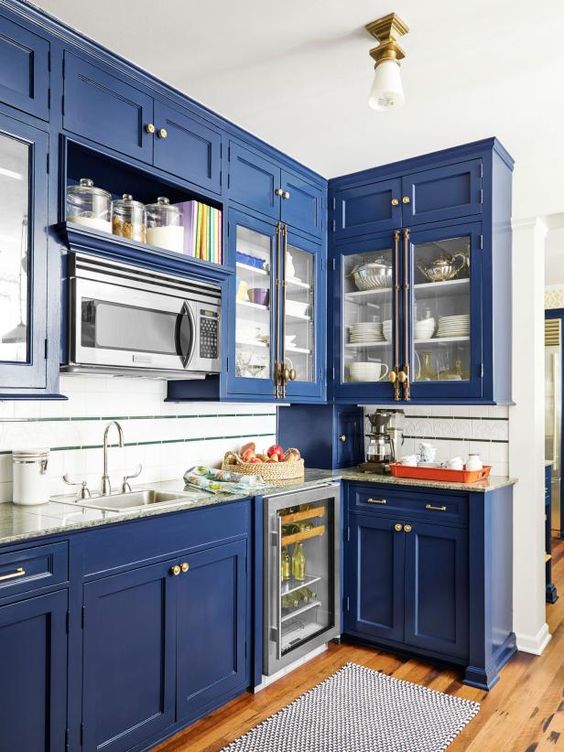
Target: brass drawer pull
[
  {"x": 149, "y": 128},
  {"x": 376, "y": 501},
  {"x": 20, "y": 572},
  {"x": 398, "y": 527},
  {"x": 162, "y": 133},
  {"x": 407, "y": 528},
  {"x": 435, "y": 509},
  {"x": 405, "y": 200},
  {"x": 175, "y": 570},
  {"x": 395, "y": 202},
  {"x": 185, "y": 566}
]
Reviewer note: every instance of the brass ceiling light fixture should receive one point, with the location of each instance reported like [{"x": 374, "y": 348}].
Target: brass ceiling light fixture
[{"x": 387, "y": 89}]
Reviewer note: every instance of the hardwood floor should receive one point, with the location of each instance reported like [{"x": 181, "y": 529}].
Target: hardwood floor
[{"x": 523, "y": 713}]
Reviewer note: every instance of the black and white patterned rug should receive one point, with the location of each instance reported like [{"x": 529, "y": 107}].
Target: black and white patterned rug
[{"x": 360, "y": 710}]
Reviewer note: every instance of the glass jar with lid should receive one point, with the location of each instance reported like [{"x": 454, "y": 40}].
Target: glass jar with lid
[
  {"x": 128, "y": 218},
  {"x": 88, "y": 205},
  {"x": 165, "y": 225}
]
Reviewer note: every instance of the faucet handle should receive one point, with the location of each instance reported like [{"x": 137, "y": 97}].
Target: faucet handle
[
  {"x": 83, "y": 492},
  {"x": 125, "y": 487}
]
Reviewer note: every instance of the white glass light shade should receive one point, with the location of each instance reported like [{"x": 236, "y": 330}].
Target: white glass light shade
[{"x": 387, "y": 91}]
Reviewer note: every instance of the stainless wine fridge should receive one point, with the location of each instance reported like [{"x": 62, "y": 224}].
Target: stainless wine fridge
[{"x": 302, "y": 583}]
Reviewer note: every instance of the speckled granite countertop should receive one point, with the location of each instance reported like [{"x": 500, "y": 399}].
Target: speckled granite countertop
[{"x": 18, "y": 524}]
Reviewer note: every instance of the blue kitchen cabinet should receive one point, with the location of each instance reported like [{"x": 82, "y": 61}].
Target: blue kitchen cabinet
[
  {"x": 275, "y": 313},
  {"x": 258, "y": 182},
  {"x": 24, "y": 69},
  {"x": 375, "y": 578},
  {"x": 128, "y": 658},
  {"x": 212, "y": 602},
  {"x": 33, "y": 678},
  {"x": 366, "y": 209},
  {"x": 23, "y": 324}
]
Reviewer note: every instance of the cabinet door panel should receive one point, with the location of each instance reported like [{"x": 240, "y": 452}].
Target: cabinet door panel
[
  {"x": 128, "y": 658},
  {"x": 443, "y": 193},
  {"x": 375, "y": 578},
  {"x": 33, "y": 681},
  {"x": 253, "y": 181},
  {"x": 303, "y": 208},
  {"x": 211, "y": 618},
  {"x": 190, "y": 150},
  {"x": 105, "y": 109},
  {"x": 367, "y": 209},
  {"x": 349, "y": 436},
  {"x": 24, "y": 69},
  {"x": 436, "y": 582}
]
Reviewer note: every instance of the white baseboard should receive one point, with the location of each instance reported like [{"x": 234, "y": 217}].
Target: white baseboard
[{"x": 535, "y": 644}]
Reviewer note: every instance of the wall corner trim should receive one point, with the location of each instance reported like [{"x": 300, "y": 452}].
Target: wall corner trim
[{"x": 534, "y": 644}]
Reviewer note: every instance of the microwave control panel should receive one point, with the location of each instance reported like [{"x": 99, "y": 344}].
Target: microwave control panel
[{"x": 209, "y": 334}]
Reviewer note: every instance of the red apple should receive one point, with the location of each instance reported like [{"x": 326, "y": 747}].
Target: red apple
[{"x": 275, "y": 449}]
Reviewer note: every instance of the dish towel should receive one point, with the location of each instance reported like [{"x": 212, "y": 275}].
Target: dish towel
[{"x": 222, "y": 481}]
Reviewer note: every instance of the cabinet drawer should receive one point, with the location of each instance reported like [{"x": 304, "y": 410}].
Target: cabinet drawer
[
  {"x": 440, "y": 507},
  {"x": 33, "y": 568}
]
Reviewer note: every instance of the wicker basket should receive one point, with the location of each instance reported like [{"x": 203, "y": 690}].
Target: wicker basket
[{"x": 268, "y": 471}]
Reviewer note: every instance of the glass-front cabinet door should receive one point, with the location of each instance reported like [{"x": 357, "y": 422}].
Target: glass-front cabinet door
[
  {"x": 367, "y": 343},
  {"x": 23, "y": 281},
  {"x": 444, "y": 336}
]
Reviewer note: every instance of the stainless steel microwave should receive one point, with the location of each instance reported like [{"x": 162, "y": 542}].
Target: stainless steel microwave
[{"x": 127, "y": 320}]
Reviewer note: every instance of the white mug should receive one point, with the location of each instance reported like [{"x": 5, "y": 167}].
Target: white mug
[
  {"x": 409, "y": 459},
  {"x": 473, "y": 462},
  {"x": 455, "y": 463}
]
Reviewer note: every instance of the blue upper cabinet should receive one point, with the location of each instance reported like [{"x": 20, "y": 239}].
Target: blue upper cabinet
[
  {"x": 422, "y": 311},
  {"x": 186, "y": 147},
  {"x": 23, "y": 323},
  {"x": 259, "y": 182},
  {"x": 107, "y": 109},
  {"x": 24, "y": 69},
  {"x": 366, "y": 209},
  {"x": 441, "y": 193}
]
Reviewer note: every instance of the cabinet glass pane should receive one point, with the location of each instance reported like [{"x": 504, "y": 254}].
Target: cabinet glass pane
[
  {"x": 14, "y": 241},
  {"x": 441, "y": 316},
  {"x": 367, "y": 338},
  {"x": 253, "y": 329},
  {"x": 299, "y": 346}
]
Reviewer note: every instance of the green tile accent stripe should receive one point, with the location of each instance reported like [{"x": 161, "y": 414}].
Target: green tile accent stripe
[
  {"x": 137, "y": 417},
  {"x": 151, "y": 443}
]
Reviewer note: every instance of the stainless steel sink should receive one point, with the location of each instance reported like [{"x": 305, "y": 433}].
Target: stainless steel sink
[{"x": 127, "y": 502}]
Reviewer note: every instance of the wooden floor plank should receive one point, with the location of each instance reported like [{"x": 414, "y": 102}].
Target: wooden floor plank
[{"x": 523, "y": 713}]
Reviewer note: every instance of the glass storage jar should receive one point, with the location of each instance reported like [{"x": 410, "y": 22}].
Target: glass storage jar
[
  {"x": 165, "y": 225},
  {"x": 88, "y": 205},
  {"x": 128, "y": 218}
]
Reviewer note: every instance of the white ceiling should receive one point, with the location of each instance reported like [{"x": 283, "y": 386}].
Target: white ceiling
[{"x": 297, "y": 74}]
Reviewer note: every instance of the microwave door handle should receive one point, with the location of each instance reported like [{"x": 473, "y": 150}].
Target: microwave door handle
[{"x": 185, "y": 315}]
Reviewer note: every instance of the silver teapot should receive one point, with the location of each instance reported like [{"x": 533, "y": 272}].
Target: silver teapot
[{"x": 444, "y": 267}]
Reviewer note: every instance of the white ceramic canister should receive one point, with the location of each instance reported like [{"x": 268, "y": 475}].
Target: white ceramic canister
[{"x": 30, "y": 479}]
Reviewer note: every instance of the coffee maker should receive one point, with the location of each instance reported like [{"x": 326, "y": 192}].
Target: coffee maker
[{"x": 384, "y": 440}]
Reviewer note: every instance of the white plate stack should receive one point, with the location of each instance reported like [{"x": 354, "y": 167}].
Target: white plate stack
[
  {"x": 454, "y": 326},
  {"x": 366, "y": 331}
]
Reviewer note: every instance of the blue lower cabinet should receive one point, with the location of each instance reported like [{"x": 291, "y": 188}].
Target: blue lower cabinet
[
  {"x": 128, "y": 658},
  {"x": 33, "y": 675},
  {"x": 375, "y": 578},
  {"x": 436, "y": 588},
  {"x": 211, "y": 629}
]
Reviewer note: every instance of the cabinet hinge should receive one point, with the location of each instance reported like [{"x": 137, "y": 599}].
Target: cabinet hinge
[
  {"x": 481, "y": 195},
  {"x": 481, "y": 242},
  {"x": 347, "y": 603},
  {"x": 67, "y": 740},
  {"x": 481, "y": 370},
  {"x": 334, "y": 225},
  {"x": 46, "y": 348},
  {"x": 348, "y": 533},
  {"x": 333, "y": 264},
  {"x": 333, "y": 372},
  {"x": 334, "y": 203}
]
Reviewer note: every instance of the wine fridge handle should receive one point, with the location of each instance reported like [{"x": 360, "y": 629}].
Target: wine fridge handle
[{"x": 279, "y": 588}]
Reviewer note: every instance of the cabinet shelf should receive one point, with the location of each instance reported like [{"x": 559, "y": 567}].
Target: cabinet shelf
[
  {"x": 449, "y": 287},
  {"x": 265, "y": 345},
  {"x": 287, "y": 540},
  {"x": 360, "y": 294},
  {"x": 307, "y": 514},
  {"x": 255, "y": 270},
  {"x": 358, "y": 345},
  {"x": 441, "y": 340},
  {"x": 255, "y": 306},
  {"x": 293, "y": 585},
  {"x": 300, "y": 611},
  {"x": 299, "y": 633}
]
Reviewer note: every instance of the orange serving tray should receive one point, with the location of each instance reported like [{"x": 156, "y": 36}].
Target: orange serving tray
[{"x": 442, "y": 474}]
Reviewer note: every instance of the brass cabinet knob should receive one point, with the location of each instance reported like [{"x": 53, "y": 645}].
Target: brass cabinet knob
[
  {"x": 278, "y": 191},
  {"x": 162, "y": 133},
  {"x": 392, "y": 377},
  {"x": 185, "y": 567},
  {"x": 175, "y": 570},
  {"x": 286, "y": 374},
  {"x": 342, "y": 438},
  {"x": 286, "y": 194},
  {"x": 293, "y": 374},
  {"x": 398, "y": 527},
  {"x": 149, "y": 128},
  {"x": 407, "y": 528},
  {"x": 405, "y": 200},
  {"x": 395, "y": 202},
  {"x": 402, "y": 377}
]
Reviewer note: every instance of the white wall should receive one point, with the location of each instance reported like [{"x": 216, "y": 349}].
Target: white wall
[{"x": 167, "y": 438}]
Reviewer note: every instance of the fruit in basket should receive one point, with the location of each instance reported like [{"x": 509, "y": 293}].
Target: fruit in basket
[
  {"x": 275, "y": 449},
  {"x": 274, "y": 458},
  {"x": 254, "y": 460},
  {"x": 248, "y": 454},
  {"x": 292, "y": 454},
  {"x": 263, "y": 457},
  {"x": 250, "y": 445}
]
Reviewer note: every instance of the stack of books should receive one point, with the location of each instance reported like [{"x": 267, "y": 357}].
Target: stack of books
[{"x": 202, "y": 231}]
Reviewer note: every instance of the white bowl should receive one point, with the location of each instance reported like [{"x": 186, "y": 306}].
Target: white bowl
[{"x": 295, "y": 308}]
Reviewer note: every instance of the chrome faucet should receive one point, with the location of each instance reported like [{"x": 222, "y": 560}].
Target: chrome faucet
[{"x": 106, "y": 485}]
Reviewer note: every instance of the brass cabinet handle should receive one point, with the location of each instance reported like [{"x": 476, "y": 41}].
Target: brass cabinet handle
[
  {"x": 395, "y": 313},
  {"x": 405, "y": 381},
  {"x": 149, "y": 128},
  {"x": 286, "y": 194},
  {"x": 407, "y": 528},
  {"x": 405, "y": 200},
  {"x": 395, "y": 202},
  {"x": 278, "y": 191},
  {"x": 342, "y": 438},
  {"x": 277, "y": 284},
  {"x": 175, "y": 570},
  {"x": 398, "y": 527},
  {"x": 162, "y": 133},
  {"x": 435, "y": 509},
  {"x": 402, "y": 376},
  {"x": 184, "y": 567},
  {"x": 392, "y": 376},
  {"x": 376, "y": 501},
  {"x": 20, "y": 572}
]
